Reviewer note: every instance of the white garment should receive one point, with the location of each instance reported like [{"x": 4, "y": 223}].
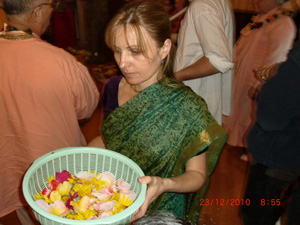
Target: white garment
[{"x": 207, "y": 29}]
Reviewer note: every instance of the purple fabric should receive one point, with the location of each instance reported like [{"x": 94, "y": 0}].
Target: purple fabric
[{"x": 110, "y": 95}]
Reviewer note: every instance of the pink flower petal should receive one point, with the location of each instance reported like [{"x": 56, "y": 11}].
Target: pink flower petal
[
  {"x": 107, "y": 176},
  {"x": 58, "y": 208},
  {"x": 101, "y": 196},
  {"x": 105, "y": 206},
  {"x": 62, "y": 176},
  {"x": 122, "y": 185},
  {"x": 104, "y": 214},
  {"x": 46, "y": 192},
  {"x": 86, "y": 175},
  {"x": 44, "y": 205},
  {"x": 129, "y": 194}
]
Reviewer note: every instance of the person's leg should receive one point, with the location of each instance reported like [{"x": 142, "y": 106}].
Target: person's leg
[
  {"x": 25, "y": 217},
  {"x": 262, "y": 191}
]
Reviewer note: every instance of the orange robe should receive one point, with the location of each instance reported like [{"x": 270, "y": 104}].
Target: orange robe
[
  {"x": 44, "y": 91},
  {"x": 266, "y": 45}
]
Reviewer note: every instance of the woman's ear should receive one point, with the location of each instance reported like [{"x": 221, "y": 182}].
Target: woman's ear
[{"x": 166, "y": 48}]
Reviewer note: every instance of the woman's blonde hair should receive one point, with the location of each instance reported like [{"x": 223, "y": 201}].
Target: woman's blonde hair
[{"x": 152, "y": 17}]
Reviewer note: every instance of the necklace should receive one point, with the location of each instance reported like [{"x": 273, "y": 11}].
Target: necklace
[
  {"x": 255, "y": 25},
  {"x": 11, "y": 35}
]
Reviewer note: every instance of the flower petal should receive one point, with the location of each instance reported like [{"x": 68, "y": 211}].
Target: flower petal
[
  {"x": 62, "y": 176},
  {"x": 105, "y": 206},
  {"x": 107, "y": 176},
  {"x": 86, "y": 175},
  {"x": 64, "y": 188},
  {"x": 82, "y": 205},
  {"x": 44, "y": 205},
  {"x": 58, "y": 208},
  {"x": 55, "y": 196}
]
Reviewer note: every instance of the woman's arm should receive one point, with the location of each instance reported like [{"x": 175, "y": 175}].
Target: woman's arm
[
  {"x": 190, "y": 181},
  {"x": 97, "y": 142}
]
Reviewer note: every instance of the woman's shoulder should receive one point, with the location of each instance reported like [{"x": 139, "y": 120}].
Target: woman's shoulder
[
  {"x": 112, "y": 83},
  {"x": 115, "y": 80},
  {"x": 186, "y": 94}
]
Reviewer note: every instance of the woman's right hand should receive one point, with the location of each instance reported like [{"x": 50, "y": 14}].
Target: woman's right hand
[{"x": 155, "y": 187}]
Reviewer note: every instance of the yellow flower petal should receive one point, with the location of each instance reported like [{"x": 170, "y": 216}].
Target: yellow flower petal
[
  {"x": 64, "y": 188},
  {"x": 54, "y": 196},
  {"x": 58, "y": 208},
  {"x": 82, "y": 205}
]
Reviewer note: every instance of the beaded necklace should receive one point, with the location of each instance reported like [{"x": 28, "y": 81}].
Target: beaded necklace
[
  {"x": 255, "y": 25},
  {"x": 8, "y": 34}
]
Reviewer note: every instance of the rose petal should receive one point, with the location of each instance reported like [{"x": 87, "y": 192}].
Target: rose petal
[
  {"x": 122, "y": 185},
  {"x": 104, "y": 214},
  {"x": 55, "y": 196},
  {"x": 107, "y": 176},
  {"x": 46, "y": 192},
  {"x": 64, "y": 188},
  {"x": 86, "y": 175},
  {"x": 62, "y": 176},
  {"x": 101, "y": 196},
  {"x": 131, "y": 195},
  {"x": 53, "y": 185},
  {"x": 44, "y": 205},
  {"x": 58, "y": 208},
  {"x": 82, "y": 205},
  {"x": 105, "y": 206}
]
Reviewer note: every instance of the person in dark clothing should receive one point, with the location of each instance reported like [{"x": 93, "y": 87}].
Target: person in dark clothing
[{"x": 274, "y": 143}]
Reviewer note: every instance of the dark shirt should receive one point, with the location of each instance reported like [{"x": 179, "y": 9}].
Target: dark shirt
[
  {"x": 274, "y": 140},
  {"x": 109, "y": 101}
]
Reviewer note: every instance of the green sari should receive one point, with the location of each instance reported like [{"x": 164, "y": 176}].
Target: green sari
[{"x": 160, "y": 129}]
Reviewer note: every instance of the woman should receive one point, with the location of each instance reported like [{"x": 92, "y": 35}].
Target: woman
[
  {"x": 156, "y": 121},
  {"x": 264, "y": 41}
]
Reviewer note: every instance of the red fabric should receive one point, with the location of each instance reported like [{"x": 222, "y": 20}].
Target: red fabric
[{"x": 64, "y": 28}]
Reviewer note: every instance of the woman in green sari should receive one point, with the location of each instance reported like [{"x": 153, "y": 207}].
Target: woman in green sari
[{"x": 155, "y": 120}]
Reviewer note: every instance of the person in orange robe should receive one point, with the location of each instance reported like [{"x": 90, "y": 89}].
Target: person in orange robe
[
  {"x": 44, "y": 91},
  {"x": 264, "y": 41}
]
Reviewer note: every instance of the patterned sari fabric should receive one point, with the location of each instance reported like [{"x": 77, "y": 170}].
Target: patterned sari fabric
[{"x": 160, "y": 129}]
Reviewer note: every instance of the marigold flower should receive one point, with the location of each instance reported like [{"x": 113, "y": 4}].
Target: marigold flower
[{"x": 125, "y": 200}]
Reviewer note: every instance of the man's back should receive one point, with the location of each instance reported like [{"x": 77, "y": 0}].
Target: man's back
[
  {"x": 207, "y": 30},
  {"x": 43, "y": 93}
]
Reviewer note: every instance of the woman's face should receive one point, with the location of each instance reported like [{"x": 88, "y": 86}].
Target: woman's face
[
  {"x": 264, "y": 6},
  {"x": 138, "y": 69}
]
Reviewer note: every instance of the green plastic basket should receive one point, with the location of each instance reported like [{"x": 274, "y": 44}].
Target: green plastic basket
[{"x": 77, "y": 159}]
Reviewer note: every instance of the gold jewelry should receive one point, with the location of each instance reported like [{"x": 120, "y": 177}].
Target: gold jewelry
[
  {"x": 15, "y": 36},
  {"x": 264, "y": 75}
]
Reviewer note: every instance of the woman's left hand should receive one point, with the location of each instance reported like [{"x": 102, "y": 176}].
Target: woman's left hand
[
  {"x": 154, "y": 189},
  {"x": 190, "y": 181}
]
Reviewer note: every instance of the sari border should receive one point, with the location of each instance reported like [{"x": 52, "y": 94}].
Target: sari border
[{"x": 213, "y": 137}]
